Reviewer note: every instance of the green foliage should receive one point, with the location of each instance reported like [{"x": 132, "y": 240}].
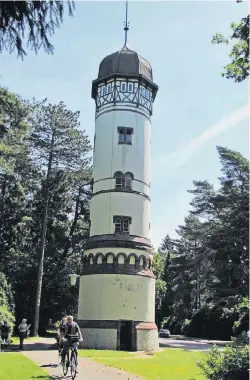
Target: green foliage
[
  {"x": 242, "y": 322},
  {"x": 6, "y": 302},
  {"x": 206, "y": 268},
  {"x": 35, "y": 20},
  {"x": 185, "y": 327},
  {"x": 238, "y": 68},
  {"x": 240, "y": 340},
  {"x": 14, "y": 126},
  {"x": 60, "y": 148},
  {"x": 218, "y": 321},
  {"x": 23, "y": 182},
  {"x": 229, "y": 364},
  {"x": 212, "y": 322}
]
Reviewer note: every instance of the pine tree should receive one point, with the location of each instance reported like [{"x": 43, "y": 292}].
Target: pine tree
[{"x": 57, "y": 145}]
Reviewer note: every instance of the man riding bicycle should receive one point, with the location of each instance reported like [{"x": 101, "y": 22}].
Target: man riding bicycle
[{"x": 72, "y": 336}]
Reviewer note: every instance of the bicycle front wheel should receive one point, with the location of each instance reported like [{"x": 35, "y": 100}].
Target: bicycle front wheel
[{"x": 73, "y": 365}]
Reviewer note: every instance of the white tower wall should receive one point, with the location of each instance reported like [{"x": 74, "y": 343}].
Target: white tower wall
[
  {"x": 117, "y": 288},
  {"x": 105, "y": 206},
  {"x": 110, "y": 157}
]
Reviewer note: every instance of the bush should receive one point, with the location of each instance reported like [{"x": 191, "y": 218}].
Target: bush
[
  {"x": 230, "y": 364},
  {"x": 242, "y": 324},
  {"x": 185, "y": 327},
  {"x": 219, "y": 321},
  {"x": 6, "y": 302},
  {"x": 175, "y": 325}
]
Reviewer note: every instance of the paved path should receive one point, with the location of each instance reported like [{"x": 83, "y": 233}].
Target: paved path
[
  {"x": 192, "y": 344},
  {"x": 47, "y": 359}
]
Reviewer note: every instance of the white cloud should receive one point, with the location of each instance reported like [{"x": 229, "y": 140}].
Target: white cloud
[{"x": 180, "y": 157}]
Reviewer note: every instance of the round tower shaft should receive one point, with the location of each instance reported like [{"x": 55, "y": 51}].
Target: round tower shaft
[{"x": 117, "y": 286}]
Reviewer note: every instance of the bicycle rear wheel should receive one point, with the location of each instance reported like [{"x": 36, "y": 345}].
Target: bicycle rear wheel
[
  {"x": 65, "y": 364},
  {"x": 73, "y": 365},
  {"x": 59, "y": 358}
]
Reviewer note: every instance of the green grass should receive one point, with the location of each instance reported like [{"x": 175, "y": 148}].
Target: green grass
[
  {"x": 96, "y": 354},
  {"x": 169, "y": 364},
  {"x": 15, "y": 339},
  {"x": 17, "y": 367}
]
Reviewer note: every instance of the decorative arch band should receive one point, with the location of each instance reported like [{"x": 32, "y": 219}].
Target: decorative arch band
[{"x": 120, "y": 263}]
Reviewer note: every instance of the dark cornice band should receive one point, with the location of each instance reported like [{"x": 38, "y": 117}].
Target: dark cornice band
[
  {"x": 137, "y": 180},
  {"x": 121, "y": 191},
  {"x": 116, "y": 268},
  {"x": 118, "y": 241},
  {"x": 114, "y": 109},
  {"x": 114, "y": 324}
]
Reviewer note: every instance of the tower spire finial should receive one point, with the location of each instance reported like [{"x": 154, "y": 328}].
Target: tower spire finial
[{"x": 126, "y": 25}]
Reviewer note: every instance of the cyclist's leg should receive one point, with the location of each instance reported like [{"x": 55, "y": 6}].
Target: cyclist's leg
[{"x": 65, "y": 350}]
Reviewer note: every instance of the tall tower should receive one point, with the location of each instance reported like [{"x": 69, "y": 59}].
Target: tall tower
[{"x": 117, "y": 286}]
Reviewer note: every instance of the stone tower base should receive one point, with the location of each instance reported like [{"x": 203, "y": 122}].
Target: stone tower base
[{"x": 107, "y": 335}]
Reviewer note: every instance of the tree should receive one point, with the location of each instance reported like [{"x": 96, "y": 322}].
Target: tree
[
  {"x": 35, "y": 19},
  {"x": 6, "y": 301},
  {"x": 206, "y": 270},
  {"x": 238, "y": 68},
  {"x": 22, "y": 200},
  {"x": 160, "y": 284},
  {"x": 58, "y": 146}
]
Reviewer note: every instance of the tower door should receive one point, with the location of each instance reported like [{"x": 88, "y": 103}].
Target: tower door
[{"x": 126, "y": 335}]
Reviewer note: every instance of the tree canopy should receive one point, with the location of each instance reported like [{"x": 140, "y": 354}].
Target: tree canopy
[
  {"x": 26, "y": 187},
  {"x": 207, "y": 267},
  {"x": 238, "y": 68},
  {"x": 31, "y": 21}
]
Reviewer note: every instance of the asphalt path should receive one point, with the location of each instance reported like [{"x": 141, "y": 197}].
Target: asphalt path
[{"x": 190, "y": 345}]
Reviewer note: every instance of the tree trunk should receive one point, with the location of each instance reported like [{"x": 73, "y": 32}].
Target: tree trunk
[
  {"x": 42, "y": 245},
  {"x": 72, "y": 228},
  {"x": 3, "y": 191}
]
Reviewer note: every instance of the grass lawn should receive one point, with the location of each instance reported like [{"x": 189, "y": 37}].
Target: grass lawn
[
  {"x": 15, "y": 339},
  {"x": 17, "y": 367},
  {"x": 169, "y": 364}
]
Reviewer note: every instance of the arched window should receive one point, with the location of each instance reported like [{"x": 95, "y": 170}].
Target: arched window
[
  {"x": 128, "y": 178},
  {"x": 118, "y": 180}
]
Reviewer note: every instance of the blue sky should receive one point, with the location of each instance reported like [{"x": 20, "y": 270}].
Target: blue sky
[{"x": 195, "y": 109}]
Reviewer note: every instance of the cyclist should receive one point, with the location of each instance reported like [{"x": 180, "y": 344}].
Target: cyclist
[
  {"x": 61, "y": 333},
  {"x": 71, "y": 329}
]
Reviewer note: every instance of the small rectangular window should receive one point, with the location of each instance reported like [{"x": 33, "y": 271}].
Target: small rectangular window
[
  {"x": 143, "y": 91},
  {"x": 104, "y": 90},
  {"x": 128, "y": 182},
  {"x": 147, "y": 94},
  {"x": 121, "y": 136},
  {"x": 128, "y": 138},
  {"x": 123, "y": 86},
  {"x": 125, "y": 135},
  {"x": 125, "y": 225},
  {"x": 118, "y": 225},
  {"x": 109, "y": 88},
  {"x": 130, "y": 87},
  {"x": 122, "y": 224},
  {"x": 118, "y": 182}
]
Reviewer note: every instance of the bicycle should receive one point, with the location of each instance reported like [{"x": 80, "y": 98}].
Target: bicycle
[{"x": 72, "y": 360}]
